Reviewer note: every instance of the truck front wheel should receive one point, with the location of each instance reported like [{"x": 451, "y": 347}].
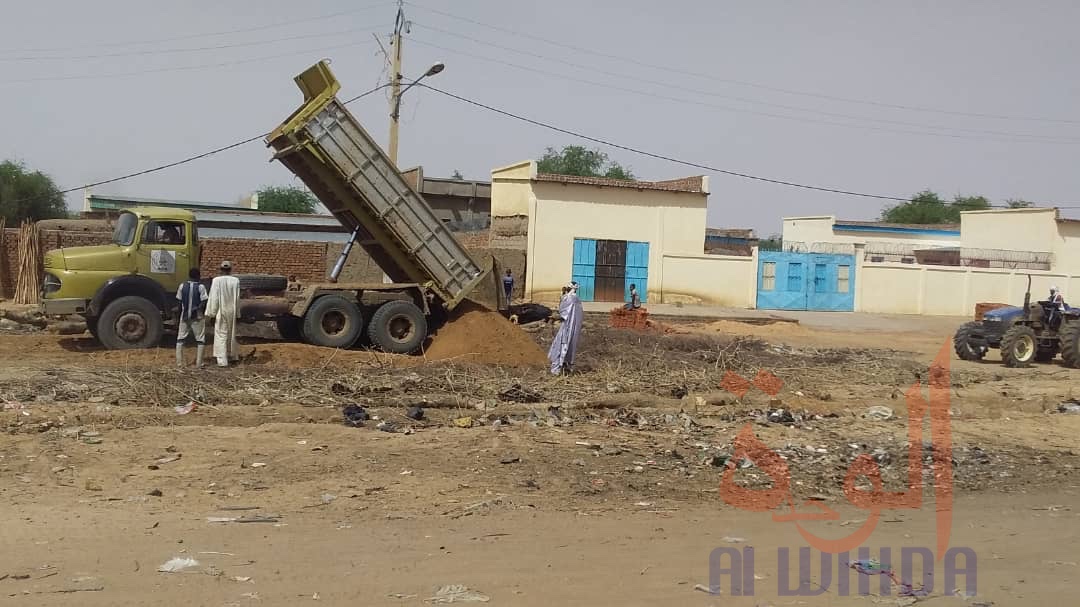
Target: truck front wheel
[
  {"x": 129, "y": 323},
  {"x": 398, "y": 327},
  {"x": 333, "y": 321}
]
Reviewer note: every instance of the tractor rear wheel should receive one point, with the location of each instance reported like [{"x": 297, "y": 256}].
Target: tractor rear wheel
[
  {"x": 1018, "y": 346},
  {"x": 962, "y": 342},
  {"x": 1070, "y": 343}
]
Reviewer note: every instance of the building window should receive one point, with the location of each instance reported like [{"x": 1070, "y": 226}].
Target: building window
[
  {"x": 877, "y": 258},
  {"x": 843, "y": 277},
  {"x": 907, "y": 260},
  {"x": 768, "y": 276}
]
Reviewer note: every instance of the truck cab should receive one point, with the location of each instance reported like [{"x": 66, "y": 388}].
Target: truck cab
[{"x": 125, "y": 289}]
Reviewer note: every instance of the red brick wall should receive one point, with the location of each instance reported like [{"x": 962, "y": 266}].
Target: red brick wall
[
  {"x": 308, "y": 261},
  {"x": 305, "y": 260}
]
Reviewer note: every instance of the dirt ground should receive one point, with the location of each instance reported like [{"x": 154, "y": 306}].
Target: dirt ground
[{"x": 598, "y": 488}]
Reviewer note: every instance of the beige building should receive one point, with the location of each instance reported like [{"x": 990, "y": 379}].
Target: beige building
[
  {"x": 604, "y": 233},
  {"x": 883, "y": 241}
]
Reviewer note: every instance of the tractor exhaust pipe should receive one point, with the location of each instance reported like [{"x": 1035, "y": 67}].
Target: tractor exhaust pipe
[{"x": 1027, "y": 295}]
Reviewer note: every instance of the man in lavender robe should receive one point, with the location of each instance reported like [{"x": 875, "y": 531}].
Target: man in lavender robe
[{"x": 564, "y": 347}]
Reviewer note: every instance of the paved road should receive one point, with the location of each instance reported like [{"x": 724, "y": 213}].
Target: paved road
[{"x": 835, "y": 321}]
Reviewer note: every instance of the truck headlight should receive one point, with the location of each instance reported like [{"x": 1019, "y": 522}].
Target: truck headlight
[{"x": 51, "y": 284}]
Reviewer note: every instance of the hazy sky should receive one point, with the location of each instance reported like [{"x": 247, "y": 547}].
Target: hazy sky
[{"x": 799, "y": 91}]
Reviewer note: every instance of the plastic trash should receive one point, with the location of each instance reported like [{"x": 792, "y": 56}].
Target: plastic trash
[
  {"x": 1069, "y": 408},
  {"x": 184, "y": 409},
  {"x": 178, "y": 564},
  {"x": 457, "y": 593},
  {"x": 879, "y": 413},
  {"x": 355, "y": 415}
]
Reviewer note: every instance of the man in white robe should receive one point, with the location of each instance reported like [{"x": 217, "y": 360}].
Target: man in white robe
[
  {"x": 223, "y": 306},
  {"x": 564, "y": 347}
]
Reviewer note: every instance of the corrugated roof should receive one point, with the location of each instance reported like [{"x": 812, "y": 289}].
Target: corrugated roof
[
  {"x": 903, "y": 226},
  {"x": 730, "y": 232},
  {"x": 693, "y": 185}
]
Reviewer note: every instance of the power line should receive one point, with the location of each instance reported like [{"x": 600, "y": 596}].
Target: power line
[
  {"x": 177, "y": 163},
  {"x": 195, "y": 49},
  {"x": 671, "y": 159},
  {"x": 624, "y": 89},
  {"x": 289, "y": 23},
  {"x": 669, "y": 69},
  {"x": 184, "y": 68},
  {"x": 636, "y": 78}
]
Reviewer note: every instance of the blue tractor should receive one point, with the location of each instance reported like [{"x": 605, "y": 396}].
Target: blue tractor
[{"x": 1037, "y": 331}]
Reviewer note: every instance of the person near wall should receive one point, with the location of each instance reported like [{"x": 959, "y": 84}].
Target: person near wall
[
  {"x": 635, "y": 299},
  {"x": 564, "y": 347},
  {"x": 508, "y": 285},
  {"x": 1057, "y": 300},
  {"x": 224, "y": 306},
  {"x": 192, "y": 297}
]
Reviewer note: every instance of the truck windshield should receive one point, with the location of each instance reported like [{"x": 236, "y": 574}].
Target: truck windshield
[{"x": 124, "y": 234}]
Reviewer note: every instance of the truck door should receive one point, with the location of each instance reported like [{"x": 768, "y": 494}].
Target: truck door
[{"x": 164, "y": 252}]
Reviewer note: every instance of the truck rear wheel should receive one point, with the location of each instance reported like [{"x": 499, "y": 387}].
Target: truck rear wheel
[
  {"x": 333, "y": 321},
  {"x": 130, "y": 322},
  {"x": 289, "y": 328},
  {"x": 1018, "y": 346},
  {"x": 398, "y": 327}
]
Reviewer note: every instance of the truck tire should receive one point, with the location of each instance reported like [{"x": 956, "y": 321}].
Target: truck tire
[
  {"x": 332, "y": 321},
  {"x": 962, "y": 342},
  {"x": 1018, "y": 346},
  {"x": 130, "y": 322},
  {"x": 1070, "y": 344},
  {"x": 289, "y": 328},
  {"x": 398, "y": 327},
  {"x": 262, "y": 282}
]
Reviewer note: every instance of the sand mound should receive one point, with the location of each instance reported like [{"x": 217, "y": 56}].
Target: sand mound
[{"x": 477, "y": 334}]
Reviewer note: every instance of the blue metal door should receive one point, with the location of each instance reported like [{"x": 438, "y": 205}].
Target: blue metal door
[
  {"x": 637, "y": 269},
  {"x": 805, "y": 281},
  {"x": 584, "y": 272}
]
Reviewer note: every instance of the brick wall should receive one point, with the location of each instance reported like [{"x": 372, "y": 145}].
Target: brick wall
[{"x": 308, "y": 261}]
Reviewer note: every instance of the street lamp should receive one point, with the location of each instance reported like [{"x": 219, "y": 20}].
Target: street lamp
[{"x": 394, "y": 115}]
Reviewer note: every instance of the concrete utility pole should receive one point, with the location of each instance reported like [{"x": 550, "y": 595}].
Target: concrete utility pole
[{"x": 395, "y": 79}]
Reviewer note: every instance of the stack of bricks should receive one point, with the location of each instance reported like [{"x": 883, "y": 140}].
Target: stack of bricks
[
  {"x": 982, "y": 308},
  {"x": 304, "y": 260},
  {"x": 637, "y": 320}
]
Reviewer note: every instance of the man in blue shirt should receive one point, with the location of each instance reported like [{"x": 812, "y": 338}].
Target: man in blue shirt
[{"x": 192, "y": 297}]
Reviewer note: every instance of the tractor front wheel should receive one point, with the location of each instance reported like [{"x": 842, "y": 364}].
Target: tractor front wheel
[
  {"x": 1018, "y": 346},
  {"x": 962, "y": 342}
]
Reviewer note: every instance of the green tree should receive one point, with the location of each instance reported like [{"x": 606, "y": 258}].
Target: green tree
[
  {"x": 28, "y": 195},
  {"x": 578, "y": 160},
  {"x": 927, "y": 207},
  {"x": 457, "y": 176},
  {"x": 286, "y": 199},
  {"x": 1019, "y": 203}
]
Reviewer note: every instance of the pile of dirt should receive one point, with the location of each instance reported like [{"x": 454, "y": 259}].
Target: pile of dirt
[{"x": 477, "y": 334}]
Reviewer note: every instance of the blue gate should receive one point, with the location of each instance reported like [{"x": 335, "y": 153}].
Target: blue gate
[
  {"x": 584, "y": 272},
  {"x": 805, "y": 281},
  {"x": 637, "y": 269}
]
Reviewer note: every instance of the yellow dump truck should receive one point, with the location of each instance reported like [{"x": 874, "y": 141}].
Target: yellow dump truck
[{"x": 125, "y": 289}]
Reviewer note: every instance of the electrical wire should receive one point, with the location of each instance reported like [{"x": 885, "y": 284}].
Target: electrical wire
[
  {"x": 671, "y": 159},
  {"x": 199, "y": 49},
  {"x": 669, "y": 69},
  {"x": 177, "y": 163},
  {"x": 591, "y": 82},
  {"x": 258, "y": 28},
  {"x": 1036, "y": 137},
  {"x": 185, "y": 68}
]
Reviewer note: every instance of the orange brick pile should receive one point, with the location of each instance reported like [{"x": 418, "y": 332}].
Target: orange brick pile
[
  {"x": 983, "y": 308},
  {"x": 638, "y": 320}
]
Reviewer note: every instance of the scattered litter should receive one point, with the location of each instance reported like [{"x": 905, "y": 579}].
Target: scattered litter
[
  {"x": 258, "y": 465},
  {"x": 727, "y": 539},
  {"x": 1069, "y": 408},
  {"x": 327, "y": 498},
  {"x": 406, "y": 473},
  {"x": 89, "y": 440},
  {"x": 178, "y": 564},
  {"x": 519, "y": 394},
  {"x": 510, "y": 460},
  {"x": 168, "y": 459},
  {"x": 879, "y": 413},
  {"x": 241, "y": 579},
  {"x": 355, "y": 415},
  {"x": 415, "y": 413},
  {"x": 644, "y": 504},
  {"x": 184, "y": 409},
  {"x": 714, "y": 591},
  {"x": 243, "y": 519},
  {"x": 457, "y": 593},
  {"x": 386, "y": 426},
  {"x": 398, "y": 595},
  {"x": 464, "y": 422}
]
